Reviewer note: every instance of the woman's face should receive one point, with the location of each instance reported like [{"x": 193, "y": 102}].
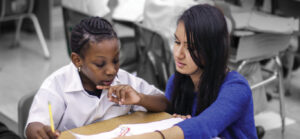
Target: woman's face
[
  {"x": 100, "y": 64},
  {"x": 183, "y": 60}
]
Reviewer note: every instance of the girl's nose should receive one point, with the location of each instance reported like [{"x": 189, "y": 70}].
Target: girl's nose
[{"x": 111, "y": 70}]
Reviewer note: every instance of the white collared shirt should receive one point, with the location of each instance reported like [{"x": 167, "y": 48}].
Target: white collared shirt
[{"x": 73, "y": 107}]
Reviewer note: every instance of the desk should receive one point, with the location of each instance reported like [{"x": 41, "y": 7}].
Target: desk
[{"x": 107, "y": 125}]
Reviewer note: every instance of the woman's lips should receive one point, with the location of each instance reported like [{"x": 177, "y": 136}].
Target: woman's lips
[{"x": 179, "y": 64}]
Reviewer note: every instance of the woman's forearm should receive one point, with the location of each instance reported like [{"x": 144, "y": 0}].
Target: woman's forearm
[{"x": 174, "y": 132}]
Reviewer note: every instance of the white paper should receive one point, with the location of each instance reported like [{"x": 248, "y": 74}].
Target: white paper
[{"x": 134, "y": 129}]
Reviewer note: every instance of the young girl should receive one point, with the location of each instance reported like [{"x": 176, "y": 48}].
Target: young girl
[
  {"x": 72, "y": 90},
  {"x": 214, "y": 101}
]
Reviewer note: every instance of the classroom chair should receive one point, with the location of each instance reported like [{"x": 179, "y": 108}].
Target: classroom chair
[
  {"x": 11, "y": 10},
  {"x": 289, "y": 8},
  {"x": 24, "y": 105},
  {"x": 155, "y": 63},
  {"x": 256, "y": 47}
]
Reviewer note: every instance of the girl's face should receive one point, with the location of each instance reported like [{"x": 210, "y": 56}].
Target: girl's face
[
  {"x": 183, "y": 60},
  {"x": 100, "y": 64}
]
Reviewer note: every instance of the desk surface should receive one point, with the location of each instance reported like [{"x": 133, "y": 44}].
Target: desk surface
[{"x": 107, "y": 125}]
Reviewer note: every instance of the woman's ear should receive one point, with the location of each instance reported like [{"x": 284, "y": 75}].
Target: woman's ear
[{"x": 76, "y": 59}]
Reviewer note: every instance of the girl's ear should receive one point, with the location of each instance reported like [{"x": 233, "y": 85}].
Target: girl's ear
[{"x": 76, "y": 59}]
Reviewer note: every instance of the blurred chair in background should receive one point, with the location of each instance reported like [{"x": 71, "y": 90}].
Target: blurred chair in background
[
  {"x": 258, "y": 47},
  {"x": 5, "y": 133},
  {"x": 155, "y": 60},
  {"x": 71, "y": 18},
  {"x": 18, "y": 10},
  {"x": 248, "y": 49},
  {"x": 24, "y": 105},
  {"x": 289, "y": 8}
]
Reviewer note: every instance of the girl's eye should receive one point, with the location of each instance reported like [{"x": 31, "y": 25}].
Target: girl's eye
[
  {"x": 177, "y": 42},
  {"x": 116, "y": 61},
  {"x": 100, "y": 65}
]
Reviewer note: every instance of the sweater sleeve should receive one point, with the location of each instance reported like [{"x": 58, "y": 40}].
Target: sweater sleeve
[{"x": 233, "y": 100}]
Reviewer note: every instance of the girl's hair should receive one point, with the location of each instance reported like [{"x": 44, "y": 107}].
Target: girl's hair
[
  {"x": 208, "y": 45},
  {"x": 93, "y": 29}
]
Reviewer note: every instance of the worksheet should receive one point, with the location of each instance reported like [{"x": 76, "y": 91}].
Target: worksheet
[{"x": 132, "y": 129}]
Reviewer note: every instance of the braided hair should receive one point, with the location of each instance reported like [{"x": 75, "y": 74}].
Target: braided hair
[{"x": 93, "y": 29}]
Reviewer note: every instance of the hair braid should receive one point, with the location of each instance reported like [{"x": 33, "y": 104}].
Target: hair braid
[{"x": 90, "y": 29}]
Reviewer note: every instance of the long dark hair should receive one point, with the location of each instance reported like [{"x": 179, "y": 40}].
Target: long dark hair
[
  {"x": 90, "y": 29},
  {"x": 208, "y": 44}
]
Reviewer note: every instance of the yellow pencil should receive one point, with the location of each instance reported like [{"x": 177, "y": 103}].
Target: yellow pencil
[{"x": 51, "y": 118}]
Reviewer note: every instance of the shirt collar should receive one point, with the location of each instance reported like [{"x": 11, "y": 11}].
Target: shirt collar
[
  {"x": 72, "y": 80},
  {"x": 116, "y": 81}
]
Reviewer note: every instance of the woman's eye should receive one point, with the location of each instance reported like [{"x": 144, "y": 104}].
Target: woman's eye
[{"x": 177, "y": 42}]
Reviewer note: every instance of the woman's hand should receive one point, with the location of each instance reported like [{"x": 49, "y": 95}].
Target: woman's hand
[
  {"x": 122, "y": 94},
  {"x": 181, "y": 116},
  {"x": 37, "y": 130}
]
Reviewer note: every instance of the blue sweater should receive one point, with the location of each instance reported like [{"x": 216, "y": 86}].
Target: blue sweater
[{"x": 230, "y": 116}]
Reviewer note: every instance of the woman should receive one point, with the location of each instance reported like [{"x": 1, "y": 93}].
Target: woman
[{"x": 214, "y": 101}]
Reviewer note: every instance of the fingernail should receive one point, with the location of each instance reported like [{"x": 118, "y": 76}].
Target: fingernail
[{"x": 113, "y": 95}]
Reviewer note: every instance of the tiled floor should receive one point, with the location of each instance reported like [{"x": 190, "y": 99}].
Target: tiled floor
[{"x": 23, "y": 69}]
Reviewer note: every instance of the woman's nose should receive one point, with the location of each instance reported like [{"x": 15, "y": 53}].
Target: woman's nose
[{"x": 178, "y": 52}]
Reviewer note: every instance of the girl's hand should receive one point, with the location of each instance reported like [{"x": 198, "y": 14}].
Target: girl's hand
[
  {"x": 122, "y": 94},
  {"x": 37, "y": 130},
  {"x": 181, "y": 116}
]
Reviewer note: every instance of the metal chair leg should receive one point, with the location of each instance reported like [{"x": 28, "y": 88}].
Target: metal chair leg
[
  {"x": 290, "y": 58},
  {"x": 40, "y": 35},
  {"x": 18, "y": 30},
  {"x": 281, "y": 94},
  {"x": 241, "y": 66}
]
